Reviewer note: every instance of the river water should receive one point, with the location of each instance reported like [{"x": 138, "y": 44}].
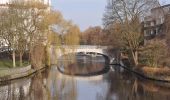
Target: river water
[{"x": 85, "y": 80}]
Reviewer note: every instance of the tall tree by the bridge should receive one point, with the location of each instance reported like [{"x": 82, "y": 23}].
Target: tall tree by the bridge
[
  {"x": 63, "y": 32},
  {"x": 72, "y": 35},
  {"x": 123, "y": 19}
]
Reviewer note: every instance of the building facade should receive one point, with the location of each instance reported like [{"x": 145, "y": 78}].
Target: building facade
[
  {"x": 153, "y": 25},
  {"x": 5, "y": 2}
]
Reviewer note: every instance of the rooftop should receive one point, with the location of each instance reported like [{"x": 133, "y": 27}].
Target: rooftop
[{"x": 164, "y": 6}]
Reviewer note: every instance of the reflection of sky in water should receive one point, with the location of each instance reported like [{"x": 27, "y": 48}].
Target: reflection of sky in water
[
  {"x": 87, "y": 88},
  {"x": 91, "y": 89}
]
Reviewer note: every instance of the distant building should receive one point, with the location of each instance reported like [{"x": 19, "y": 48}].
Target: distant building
[
  {"x": 6, "y": 2},
  {"x": 153, "y": 24}
]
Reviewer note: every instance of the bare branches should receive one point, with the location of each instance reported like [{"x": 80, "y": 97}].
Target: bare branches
[
  {"x": 120, "y": 10},
  {"x": 126, "y": 16}
]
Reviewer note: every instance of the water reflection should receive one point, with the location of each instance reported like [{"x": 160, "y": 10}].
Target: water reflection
[
  {"x": 125, "y": 86},
  {"x": 117, "y": 84},
  {"x": 84, "y": 65},
  {"x": 15, "y": 90},
  {"x": 61, "y": 88}
]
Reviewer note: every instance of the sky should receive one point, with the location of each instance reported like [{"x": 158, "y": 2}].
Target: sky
[
  {"x": 165, "y": 1},
  {"x": 84, "y": 13}
]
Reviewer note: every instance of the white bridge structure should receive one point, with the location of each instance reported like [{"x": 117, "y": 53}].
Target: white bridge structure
[{"x": 58, "y": 51}]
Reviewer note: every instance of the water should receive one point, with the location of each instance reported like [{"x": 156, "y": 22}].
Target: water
[{"x": 115, "y": 84}]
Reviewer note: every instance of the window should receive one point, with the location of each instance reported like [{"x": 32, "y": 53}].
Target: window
[
  {"x": 152, "y": 23},
  {"x": 162, "y": 19}
]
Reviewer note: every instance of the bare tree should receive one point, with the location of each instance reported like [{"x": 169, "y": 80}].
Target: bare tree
[
  {"x": 9, "y": 24},
  {"x": 23, "y": 25},
  {"x": 125, "y": 17},
  {"x": 92, "y": 36},
  {"x": 31, "y": 25},
  {"x": 155, "y": 53}
]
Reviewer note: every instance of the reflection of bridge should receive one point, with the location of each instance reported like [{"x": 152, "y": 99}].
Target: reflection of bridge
[{"x": 83, "y": 49}]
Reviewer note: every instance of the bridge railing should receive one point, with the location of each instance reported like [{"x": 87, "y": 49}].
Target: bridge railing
[{"x": 84, "y": 46}]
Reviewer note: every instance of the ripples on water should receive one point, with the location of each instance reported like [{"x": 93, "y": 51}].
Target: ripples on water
[{"x": 51, "y": 84}]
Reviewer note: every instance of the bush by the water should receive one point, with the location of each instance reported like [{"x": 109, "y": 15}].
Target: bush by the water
[{"x": 155, "y": 54}]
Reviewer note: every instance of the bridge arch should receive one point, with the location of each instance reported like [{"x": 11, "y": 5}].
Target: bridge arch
[{"x": 86, "y": 49}]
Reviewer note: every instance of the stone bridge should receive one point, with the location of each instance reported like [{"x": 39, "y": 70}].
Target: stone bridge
[{"x": 58, "y": 51}]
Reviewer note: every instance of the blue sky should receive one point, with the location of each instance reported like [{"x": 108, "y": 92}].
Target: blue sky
[
  {"x": 165, "y": 1},
  {"x": 84, "y": 13}
]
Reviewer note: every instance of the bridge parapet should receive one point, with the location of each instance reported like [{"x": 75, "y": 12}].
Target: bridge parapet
[
  {"x": 64, "y": 49},
  {"x": 83, "y": 46}
]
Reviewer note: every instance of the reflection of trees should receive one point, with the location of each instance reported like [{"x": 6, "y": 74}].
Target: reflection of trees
[
  {"x": 43, "y": 86},
  {"x": 15, "y": 90},
  {"x": 37, "y": 89},
  {"x": 124, "y": 86},
  {"x": 68, "y": 89},
  {"x": 151, "y": 90},
  {"x": 61, "y": 87},
  {"x": 52, "y": 85},
  {"x": 21, "y": 95},
  {"x": 117, "y": 87}
]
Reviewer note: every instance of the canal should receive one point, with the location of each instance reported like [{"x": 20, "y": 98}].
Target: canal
[{"x": 84, "y": 78}]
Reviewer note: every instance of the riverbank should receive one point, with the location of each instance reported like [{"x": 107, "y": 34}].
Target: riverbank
[
  {"x": 8, "y": 74},
  {"x": 155, "y": 74}
]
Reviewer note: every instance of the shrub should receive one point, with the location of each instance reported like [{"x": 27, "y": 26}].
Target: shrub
[{"x": 154, "y": 54}]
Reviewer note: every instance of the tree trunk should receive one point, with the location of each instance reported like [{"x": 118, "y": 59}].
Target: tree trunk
[
  {"x": 30, "y": 51},
  {"x": 20, "y": 58},
  {"x": 135, "y": 57},
  {"x": 118, "y": 57},
  {"x": 13, "y": 58}
]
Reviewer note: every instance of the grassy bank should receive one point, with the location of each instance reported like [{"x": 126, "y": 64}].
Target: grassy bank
[
  {"x": 152, "y": 73},
  {"x": 6, "y": 63}
]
